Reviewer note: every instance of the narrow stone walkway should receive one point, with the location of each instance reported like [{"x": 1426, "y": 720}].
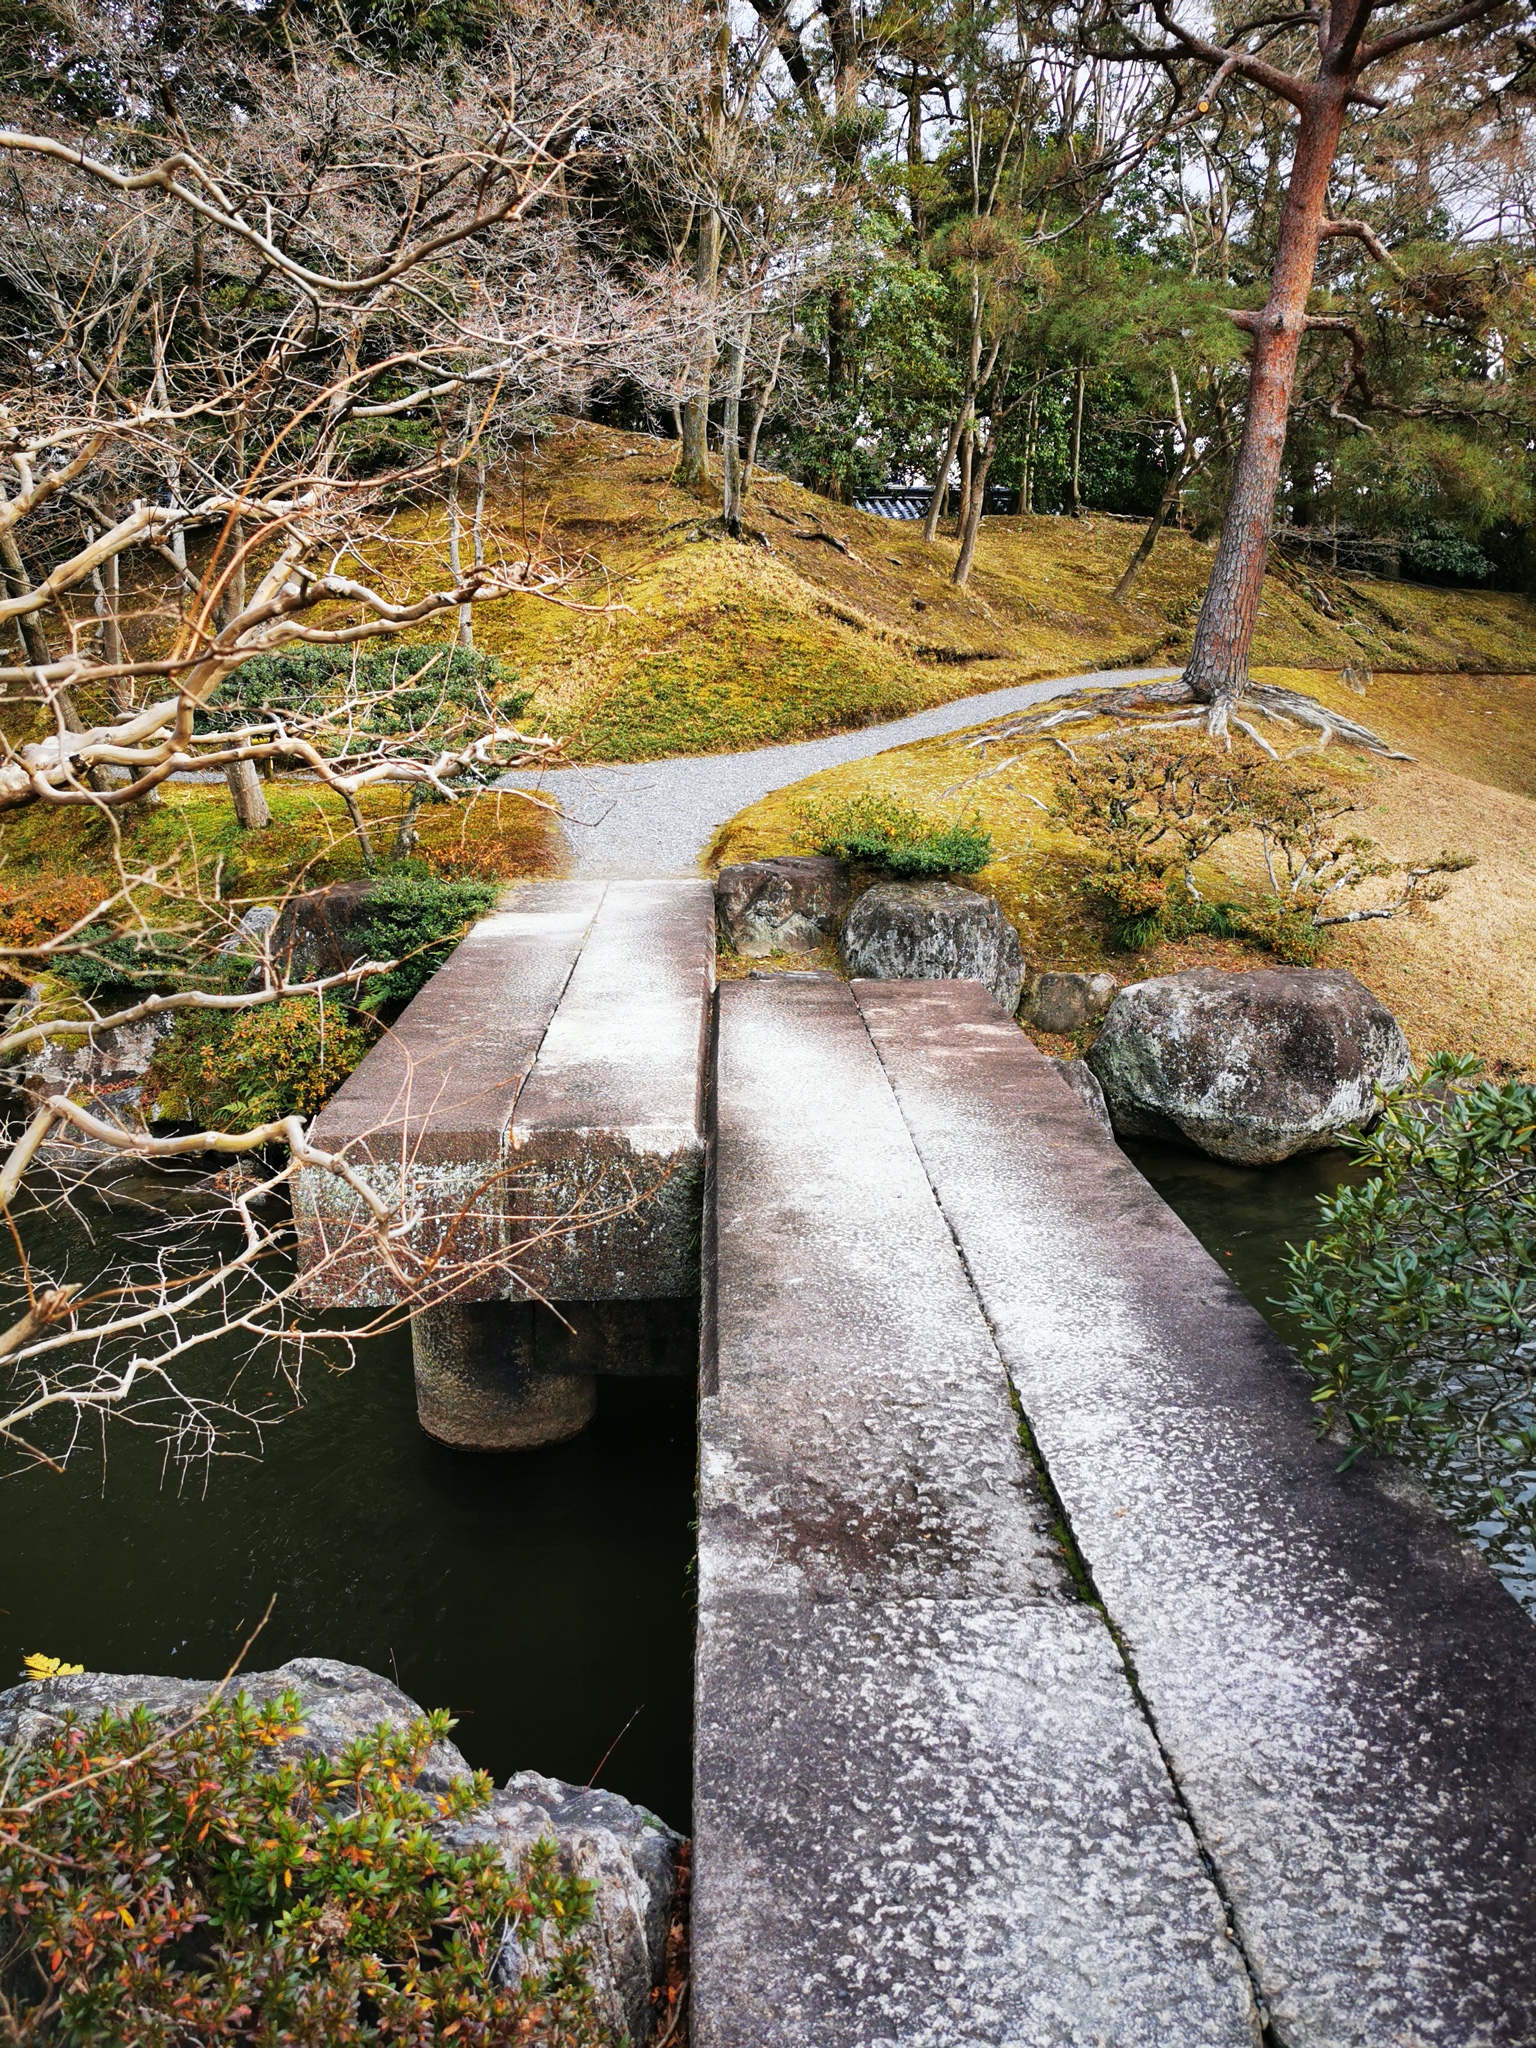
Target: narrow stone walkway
[
  {"x": 1264, "y": 1757},
  {"x": 928, "y": 1809},
  {"x": 657, "y": 817}
]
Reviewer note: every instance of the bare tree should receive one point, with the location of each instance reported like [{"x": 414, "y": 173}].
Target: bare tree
[{"x": 227, "y": 363}]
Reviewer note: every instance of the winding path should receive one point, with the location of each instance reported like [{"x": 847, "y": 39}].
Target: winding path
[{"x": 656, "y": 817}]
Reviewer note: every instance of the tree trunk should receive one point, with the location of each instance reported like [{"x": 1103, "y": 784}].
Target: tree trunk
[
  {"x": 730, "y": 437},
  {"x": 1031, "y": 437},
  {"x": 694, "y": 468},
  {"x": 1218, "y": 664},
  {"x": 1165, "y": 505},
  {"x": 941, "y": 477},
  {"x": 915, "y": 153},
  {"x": 758, "y": 412},
  {"x": 973, "y": 515},
  {"x": 456, "y": 560},
  {"x": 246, "y": 794},
  {"x": 1079, "y": 377},
  {"x": 967, "y": 466}
]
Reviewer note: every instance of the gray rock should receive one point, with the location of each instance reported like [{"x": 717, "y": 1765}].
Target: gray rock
[
  {"x": 1252, "y": 1067},
  {"x": 1065, "y": 1002},
  {"x": 1084, "y": 1083},
  {"x": 781, "y": 906},
  {"x": 318, "y": 933},
  {"x": 933, "y": 931},
  {"x": 247, "y": 935},
  {"x": 629, "y": 1855},
  {"x": 109, "y": 1065}
]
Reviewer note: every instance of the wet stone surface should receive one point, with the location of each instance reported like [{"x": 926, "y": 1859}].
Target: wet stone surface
[
  {"x": 1345, "y": 1694},
  {"x": 928, "y": 1810}
]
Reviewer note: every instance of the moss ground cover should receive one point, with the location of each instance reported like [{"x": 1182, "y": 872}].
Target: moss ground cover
[
  {"x": 310, "y": 842},
  {"x": 836, "y": 618}
]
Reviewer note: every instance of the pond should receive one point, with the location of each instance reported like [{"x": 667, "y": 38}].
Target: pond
[
  {"x": 545, "y": 1598},
  {"x": 1245, "y": 1217}
]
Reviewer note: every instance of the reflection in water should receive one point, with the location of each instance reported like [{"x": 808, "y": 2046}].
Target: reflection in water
[
  {"x": 543, "y": 1596},
  {"x": 1245, "y": 1217}
]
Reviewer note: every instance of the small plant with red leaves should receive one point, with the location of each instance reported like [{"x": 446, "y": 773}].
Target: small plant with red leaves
[{"x": 203, "y": 1884}]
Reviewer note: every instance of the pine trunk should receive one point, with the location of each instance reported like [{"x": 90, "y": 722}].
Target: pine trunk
[
  {"x": 973, "y": 515},
  {"x": 1218, "y": 664},
  {"x": 1080, "y": 380},
  {"x": 1165, "y": 505}
]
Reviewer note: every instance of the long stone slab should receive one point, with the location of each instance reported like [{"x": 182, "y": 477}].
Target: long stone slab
[
  {"x": 1346, "y": 1695},
  {"x": 537, "y": 1111},
  {"x": 928, "y": 1809}
]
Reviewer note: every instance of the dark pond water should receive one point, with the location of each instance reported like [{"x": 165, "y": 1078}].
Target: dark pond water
[
  {"x": 546, "y": 1598},
  {"x": 1245, "y": 1217}
]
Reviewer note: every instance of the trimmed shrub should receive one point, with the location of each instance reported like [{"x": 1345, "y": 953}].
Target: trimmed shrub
[
  {"x": 881, "y": 832},
  {"x": 399, "y": 690},
  {"x": 40, "y": 913},
  {"x": 417, "y": 918},
  {"x": 173, "y": 1886}
]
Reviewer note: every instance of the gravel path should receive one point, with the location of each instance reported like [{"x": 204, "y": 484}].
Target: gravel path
[{"x": 657, "y": 817}]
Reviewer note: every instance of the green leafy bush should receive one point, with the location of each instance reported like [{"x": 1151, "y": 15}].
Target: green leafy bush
[
  {"x": 191, "y": 1887},
  {"x": 233, "y": 1069},
  {"x": 880, "y": 832},
  {"x": 398, "y": 690},
  {"x": 1419, "y": 1294},
  {"x": 417, "y": 918}
]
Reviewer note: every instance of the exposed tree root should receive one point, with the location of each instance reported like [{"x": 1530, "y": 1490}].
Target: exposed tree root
[{"x": 1166, "y": 700}]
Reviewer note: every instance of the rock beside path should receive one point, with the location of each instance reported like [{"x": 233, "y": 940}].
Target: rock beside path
[
  {"x": 625, "y": 1852},
  {"x": 790, "y": 905},
  {"x": 1065, "y": 1002},
  {"x": 933, "y": 931},
  {"x": 1253, "y": 1067}
]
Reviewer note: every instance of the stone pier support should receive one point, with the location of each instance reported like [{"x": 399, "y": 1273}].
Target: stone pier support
[{"x": 478, "y": 1386}]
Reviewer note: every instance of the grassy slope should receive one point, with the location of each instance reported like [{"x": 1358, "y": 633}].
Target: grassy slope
[
  {"x": 725, "y": 646},
  {"x": 1458, "y": 977}
]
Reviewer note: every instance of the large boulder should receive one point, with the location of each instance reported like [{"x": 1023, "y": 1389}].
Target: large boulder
[
  {"x": 933, "y": 931},
  {"x": 1250, "y": 1067},
  {"x": 1065, "y": 1002},
  {"x": 789, "y": 905},
  {"x": 625, "y": 1852},
  {"x": 108, "y": 1066}
]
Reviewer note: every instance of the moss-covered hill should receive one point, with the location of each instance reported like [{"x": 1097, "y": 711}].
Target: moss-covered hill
[{"x": 832, "y": 618}]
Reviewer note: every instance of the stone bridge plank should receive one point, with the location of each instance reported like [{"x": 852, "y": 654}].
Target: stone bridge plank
[
  {"x": 610, "y": 1121},
  {"x": 1346, "y": 1694},
  {"x": 928, "y": 1809},
  {"x": 551, "y": 1071}
]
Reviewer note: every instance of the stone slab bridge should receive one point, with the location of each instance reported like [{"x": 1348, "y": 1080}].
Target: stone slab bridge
[{"x": 1053, "y": 1686}]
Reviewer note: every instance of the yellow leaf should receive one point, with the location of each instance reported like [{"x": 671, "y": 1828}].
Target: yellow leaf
[{"x": 38, "y": 1667}]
